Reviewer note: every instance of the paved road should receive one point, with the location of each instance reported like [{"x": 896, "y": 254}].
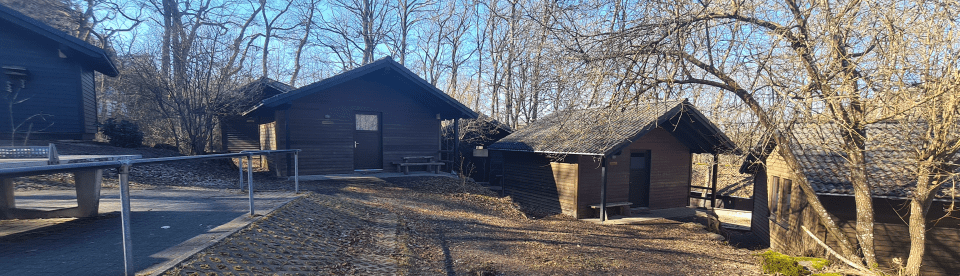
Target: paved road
[{"x": 160, "y": 220}]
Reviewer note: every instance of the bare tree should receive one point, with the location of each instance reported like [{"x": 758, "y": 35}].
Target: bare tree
[
  {"x": 269, "y": 26},
  {"x": 409, "y": 13},
  {"x": 306, "y": 13},
  {"x": 356, "y": 25},
  {"x": 784, "y": 60}
]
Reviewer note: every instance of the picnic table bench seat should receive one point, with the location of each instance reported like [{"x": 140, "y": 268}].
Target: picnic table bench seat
[
  {"x": 624, "y": 207},
  {"x": 428, "y": 161}
]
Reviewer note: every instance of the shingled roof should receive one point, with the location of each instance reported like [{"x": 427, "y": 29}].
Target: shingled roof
[
  {"x": 84, "y": 51},
  {"x": 605, "y": 131},
  {"x": 889, "y": 155}
]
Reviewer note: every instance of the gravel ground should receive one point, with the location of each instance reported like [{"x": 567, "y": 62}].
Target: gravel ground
[{"x": 438, "y": 225}]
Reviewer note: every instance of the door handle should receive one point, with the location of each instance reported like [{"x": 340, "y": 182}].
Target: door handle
[{"x": 355, "y": 144}]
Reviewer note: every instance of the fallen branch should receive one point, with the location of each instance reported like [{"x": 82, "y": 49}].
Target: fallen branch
[{"x": 857, "y": 266}]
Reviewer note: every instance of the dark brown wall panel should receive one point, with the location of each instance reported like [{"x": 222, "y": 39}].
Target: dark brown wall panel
[
  {"x": 410, "y": 128},
  {"x": 55, "y": 85},
  {"x": 669, "y": 173},
  {"x": 540, "y": 183}
]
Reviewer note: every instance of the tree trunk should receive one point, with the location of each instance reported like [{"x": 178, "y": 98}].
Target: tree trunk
[
  {"x": 864, "y": 205},
  {"x": 919, "y": 205}
]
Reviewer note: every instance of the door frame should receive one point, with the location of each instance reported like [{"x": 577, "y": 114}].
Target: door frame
[
  {"x": 379, "y": 140},
  {"x": 649, "y": 168}
]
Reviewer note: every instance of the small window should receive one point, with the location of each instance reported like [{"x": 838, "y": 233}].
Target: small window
[
  {"x": 638, "y": 161},
  {"x": 785, "y": 199},
  {"x": 774, "y": 196},
  {"x": 367, "y": 122}
]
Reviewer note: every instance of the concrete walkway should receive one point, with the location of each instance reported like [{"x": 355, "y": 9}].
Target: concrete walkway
[
  {"x": 647, "y": 216},
  {"x": 166, "y": 226}
]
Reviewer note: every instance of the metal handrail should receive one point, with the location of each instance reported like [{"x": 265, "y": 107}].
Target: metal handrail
[{"x": 123, "y": 169}]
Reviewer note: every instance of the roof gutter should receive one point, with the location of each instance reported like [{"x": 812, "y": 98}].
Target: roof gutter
[{"x": 550, "y": 152}]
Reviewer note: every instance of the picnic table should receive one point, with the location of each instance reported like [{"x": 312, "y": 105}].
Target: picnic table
[
  {"x": 428, "y": 161},
  {"x": 87, "y": 181}
]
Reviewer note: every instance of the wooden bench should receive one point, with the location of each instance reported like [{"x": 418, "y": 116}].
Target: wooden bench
[
  {"x": 624, "y": 207},
  {"x": 428, "y": 161}
]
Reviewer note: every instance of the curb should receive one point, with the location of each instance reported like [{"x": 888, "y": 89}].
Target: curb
[{"x": 203, "y": 241}]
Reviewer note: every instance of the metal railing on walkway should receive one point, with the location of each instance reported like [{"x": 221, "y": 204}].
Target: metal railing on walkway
[{"x": 123, "y": 169}]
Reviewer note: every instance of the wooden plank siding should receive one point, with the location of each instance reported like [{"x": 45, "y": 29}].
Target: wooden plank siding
[
  {"x": 60, "y": 87},
  {"x": 670, "y": 162},
  {"x": 541, "y": 183},
  {"x": 409, "y": 127},
  {"x": 240, "y": 135},
  {"x": 89, "y": 87},
  {"x": 892, "y": 238},
  {"x": 758, "y": 218}
]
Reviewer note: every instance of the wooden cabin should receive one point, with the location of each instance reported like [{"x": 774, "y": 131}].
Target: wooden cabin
[
  {"x": 641, "y": 154},
  {"x": 780, "y": 208},
  {"x": 56, "y": 72},
  {"x": 364, "y": 119},
  {"x": 472, "y": 157},
  {"x": 240, "y": 133}
]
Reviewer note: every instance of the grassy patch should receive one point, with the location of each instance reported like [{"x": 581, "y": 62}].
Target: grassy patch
[{"x": 775, "y": 262}]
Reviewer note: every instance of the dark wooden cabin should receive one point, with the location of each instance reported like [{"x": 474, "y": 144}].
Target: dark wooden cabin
[
  {"x": 57, "y": 71},
  {"x": 241, "y": 133},
  {"x": 363, "y": 119},
  {"x": 557, "y": 164},
  {"x": 780, "y": 208}
]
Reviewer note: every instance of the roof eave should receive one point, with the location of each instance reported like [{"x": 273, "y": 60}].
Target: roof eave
[
  {"x": 550, "y": 152},
  {"x": 96, "y": 55},
  {"x": 386, "y": 62}
]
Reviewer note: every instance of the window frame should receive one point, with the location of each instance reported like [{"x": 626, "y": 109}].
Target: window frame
[
  {"x": 774, "y": 198},
  {"x": 358, "y": 122},
  {"x": 787, "y": 189}
]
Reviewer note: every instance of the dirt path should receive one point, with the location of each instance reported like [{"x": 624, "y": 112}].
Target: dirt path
[{"x": 434, "y": 226}]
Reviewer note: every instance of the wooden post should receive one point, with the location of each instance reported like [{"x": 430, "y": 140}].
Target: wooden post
[
  {"x": 456, "y": 144},
  {"x": 713, "y": 180},
  {"x": 286, "y": 129},
  {"x": 603, "y": 189},
  {"x": 250, "y": 179}
]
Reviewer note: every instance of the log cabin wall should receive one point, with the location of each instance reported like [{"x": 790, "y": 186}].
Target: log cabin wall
[{"x": 409, "y": 128}]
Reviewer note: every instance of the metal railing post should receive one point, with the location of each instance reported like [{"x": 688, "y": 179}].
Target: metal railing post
[
  {"x": 240, "y": 166},
  {"x": 296, "y": 171},
  {"x": 124, "y": 172},
  {"x": 250, "y": 179}
]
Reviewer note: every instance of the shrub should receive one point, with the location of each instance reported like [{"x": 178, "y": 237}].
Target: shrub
[
  {"x": 774, "y": 262},
  {"x": 123, "y": 133},
  {"x": 165, "y": 147}
]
